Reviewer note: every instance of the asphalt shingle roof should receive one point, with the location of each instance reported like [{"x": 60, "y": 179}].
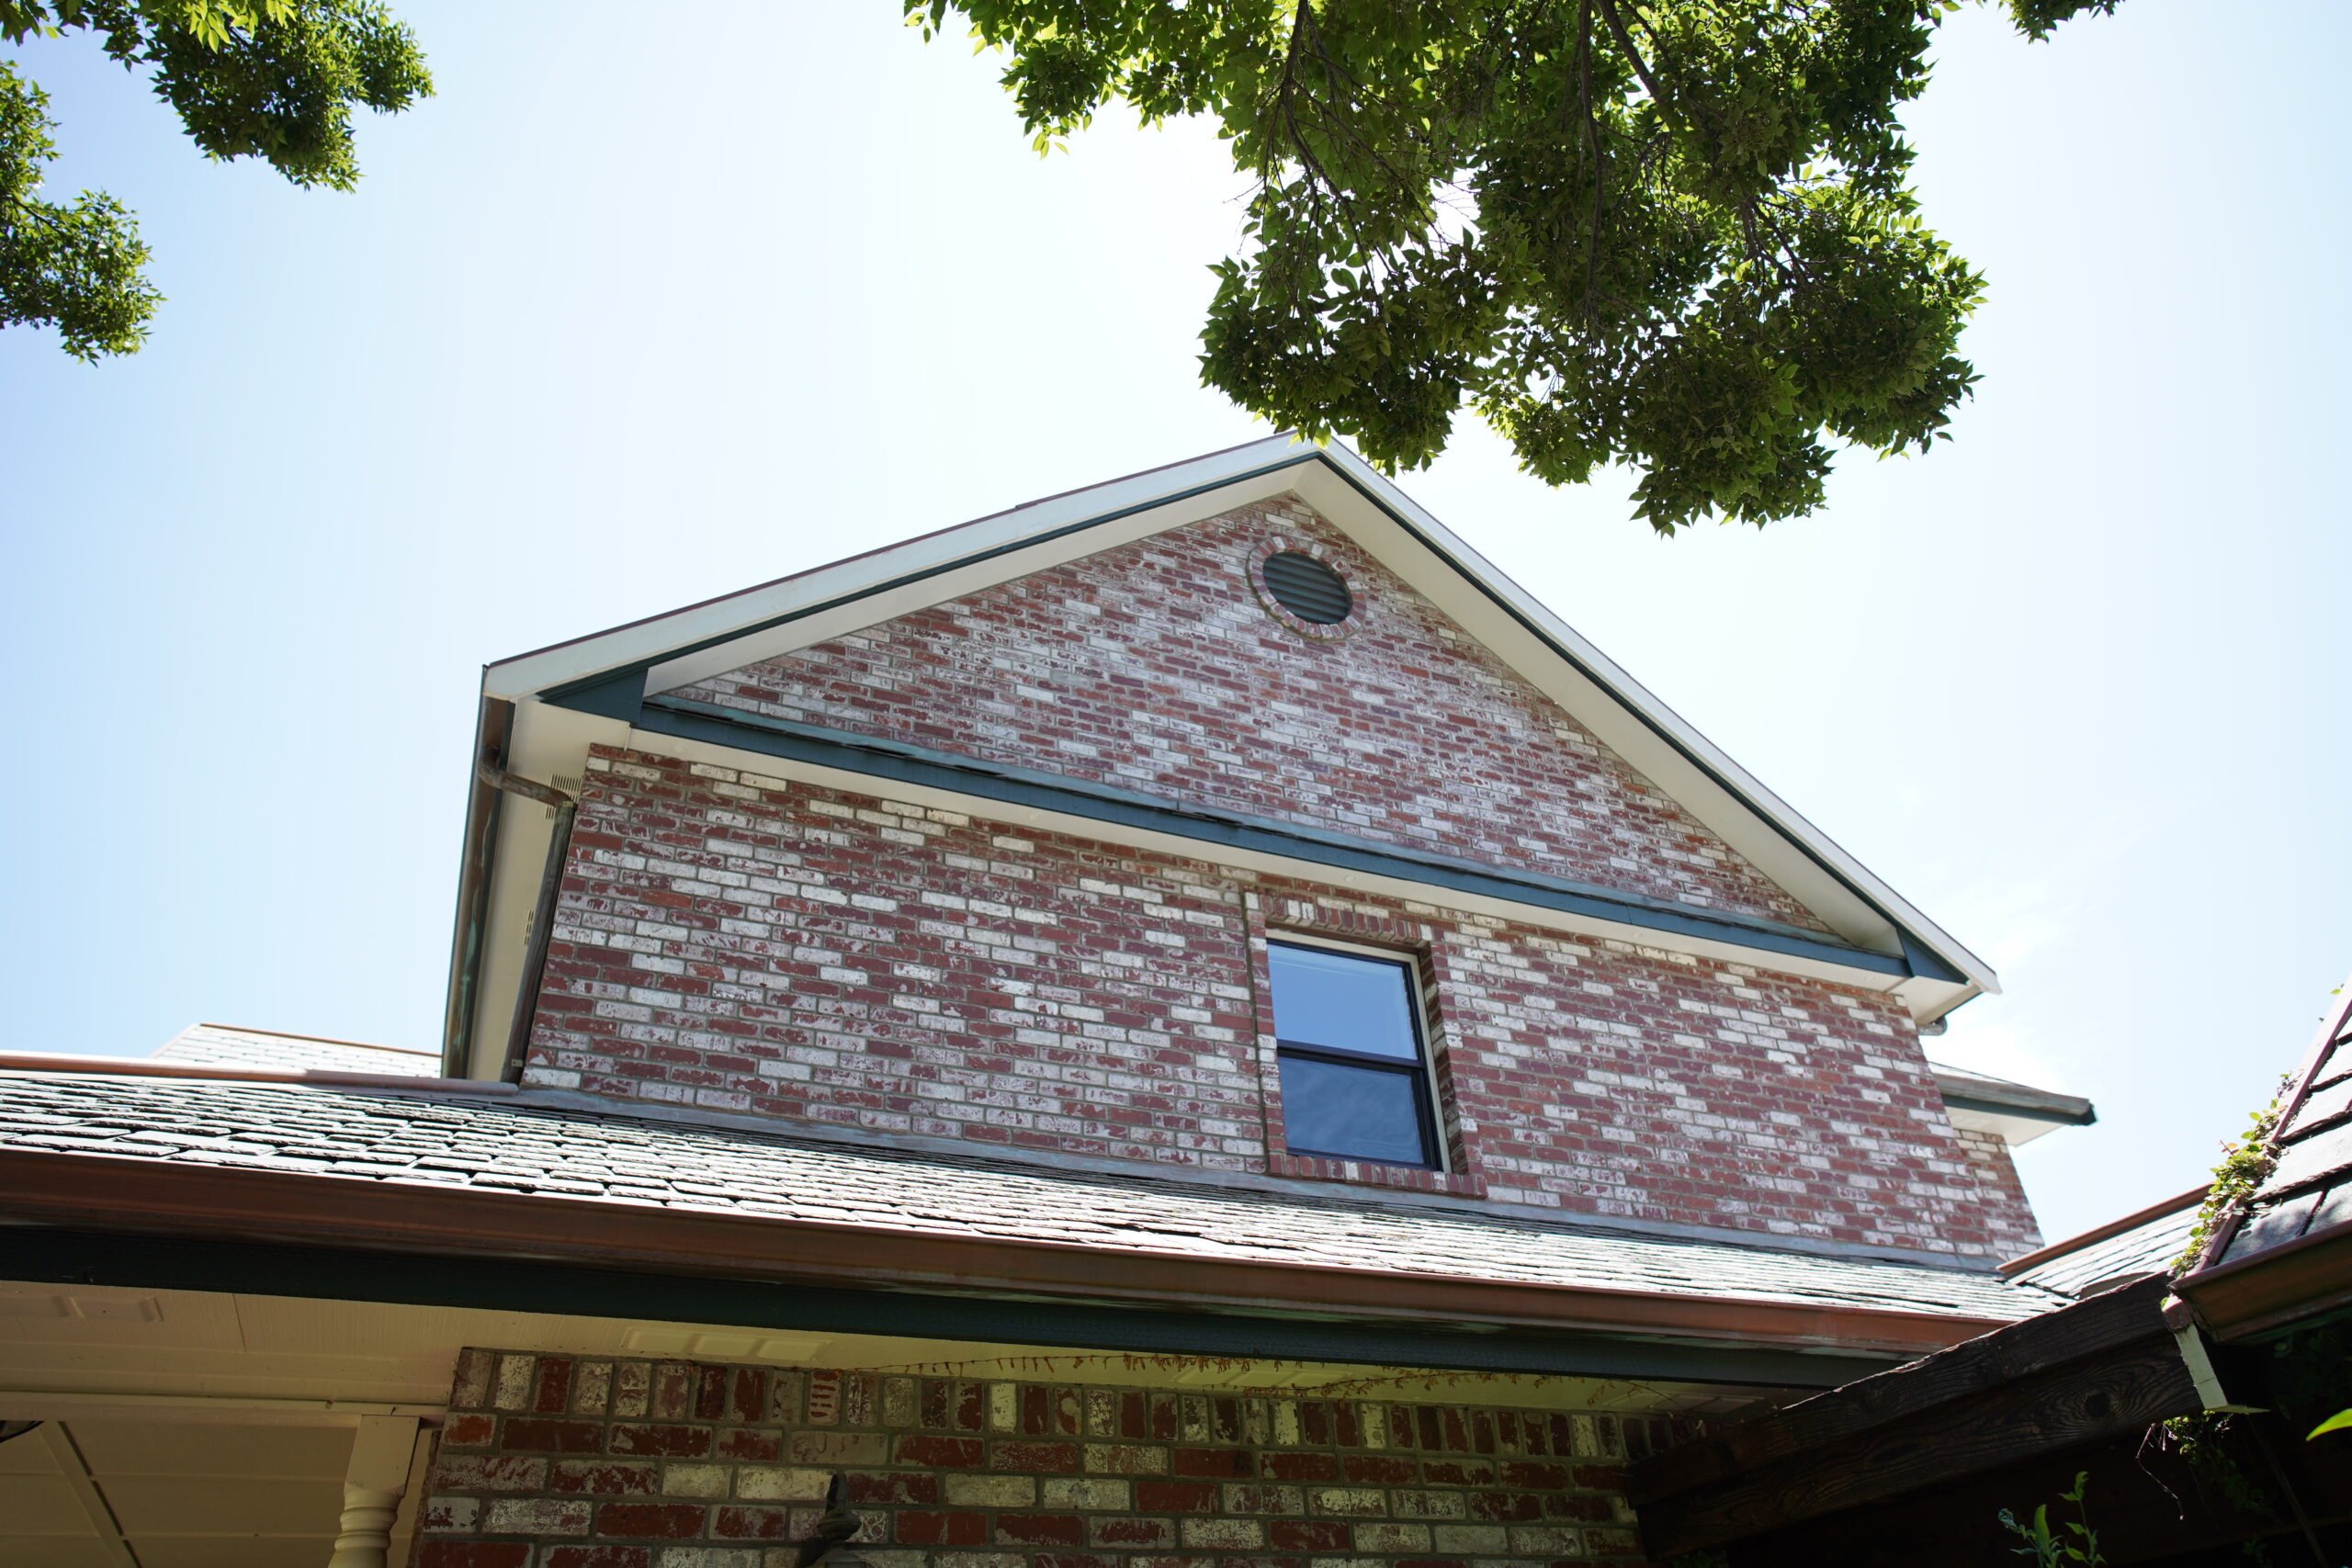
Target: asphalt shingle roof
[
  {"x": 225, "y": 1044},
  {"x": 385, "y": 1137},
  {"x": 2148, "y": 1248},
  {"x": 2309, "y": 1187}
]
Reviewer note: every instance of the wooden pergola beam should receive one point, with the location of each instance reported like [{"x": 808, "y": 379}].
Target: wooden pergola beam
[
  {"x": 2103, "y": 1367},
  {"x": 1981, "y": 1365},
  {"x": 2146, "y": 1502}
]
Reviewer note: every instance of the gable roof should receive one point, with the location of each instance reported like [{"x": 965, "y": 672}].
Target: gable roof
[{"x": 543, "y": 709}]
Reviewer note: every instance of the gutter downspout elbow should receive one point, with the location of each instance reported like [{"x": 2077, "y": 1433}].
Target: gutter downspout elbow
[{"x": 535, "y": 955}]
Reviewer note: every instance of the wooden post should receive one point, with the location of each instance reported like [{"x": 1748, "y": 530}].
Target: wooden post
[{"x": 372, "y": 1485}]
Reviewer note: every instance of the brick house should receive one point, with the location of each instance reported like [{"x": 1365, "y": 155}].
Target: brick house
[{"x": 1186, "y": 1022}]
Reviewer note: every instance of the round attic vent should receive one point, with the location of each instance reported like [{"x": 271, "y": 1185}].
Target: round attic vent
[{"x": 1308, "y": 588}]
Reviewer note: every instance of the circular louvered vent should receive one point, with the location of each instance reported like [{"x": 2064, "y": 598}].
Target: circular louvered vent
[{"x": 1308, "y": 588}]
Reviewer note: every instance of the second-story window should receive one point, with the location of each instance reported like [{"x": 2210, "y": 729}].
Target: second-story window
[{"x": 1354, "y": 1073}]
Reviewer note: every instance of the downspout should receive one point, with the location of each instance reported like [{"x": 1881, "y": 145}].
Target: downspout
[
  {"x": 534, "y": 954},
  {"x": 493, "y": 729}
]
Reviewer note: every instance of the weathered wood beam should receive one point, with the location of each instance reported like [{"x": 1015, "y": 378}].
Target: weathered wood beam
[
  {"x": 1978, "y": 1366},
  {"x": 2122, "y": 1389},
  {"x": 2147, "y": 1503}
]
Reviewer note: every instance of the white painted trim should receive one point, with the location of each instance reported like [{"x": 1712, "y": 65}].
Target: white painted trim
[
  {"x": 244, "y": 1410},
  {"x": 547, "y": 744},
  {"x": 550, "y": 743},
  {"x": 889, "y": 605},
  {"x": 2011, "y": 1129},
  {"x": 1696, "y": 792},
  {"x": 1225, "y": 855},
  {"x": 383, "y": 1452},
  {"x": 2201, "y": 1375},
  {"x": 647, "y": 641}
]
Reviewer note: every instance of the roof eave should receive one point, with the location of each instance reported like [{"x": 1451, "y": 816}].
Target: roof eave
[
  {"x": 2273, "y": 1290},
  {"x": 109, "y": 1194}
]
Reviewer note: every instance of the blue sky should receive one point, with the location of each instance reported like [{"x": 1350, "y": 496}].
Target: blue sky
[{"x": 631, "y": 315}]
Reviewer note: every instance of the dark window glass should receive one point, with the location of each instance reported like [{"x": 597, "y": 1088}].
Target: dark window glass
[
  {"x": 1350, "y": 1049},
  {"x": 1331, "y": 1109}
]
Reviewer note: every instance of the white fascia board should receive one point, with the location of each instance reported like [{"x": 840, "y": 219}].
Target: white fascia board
[
  {"x": 998, "y": 565},
  {"x": 992, "y": 551},
  {"x": 551, "y": 743},
  {"x": 1652, "y": 736}
]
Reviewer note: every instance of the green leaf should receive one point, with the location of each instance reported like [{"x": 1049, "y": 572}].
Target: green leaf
[
  {"x": 1676, "y": 235},
  {"x": 272, "y": 79}
]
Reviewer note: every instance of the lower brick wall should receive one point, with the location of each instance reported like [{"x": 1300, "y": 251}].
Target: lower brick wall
[{"x": 560, "y": 1461}]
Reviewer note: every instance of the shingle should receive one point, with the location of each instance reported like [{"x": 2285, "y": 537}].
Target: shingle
[
  {"x": 2146, "y": 1249},
  {"x": 2271, "y": 1226},
  {"x": 2323, "y": 1104},
  {"x": 2309, "y": 1159},
  {"x": 401, "y": 1138}
]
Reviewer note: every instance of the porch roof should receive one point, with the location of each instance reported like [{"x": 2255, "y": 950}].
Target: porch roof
[{"x": 415, "y": 1170}]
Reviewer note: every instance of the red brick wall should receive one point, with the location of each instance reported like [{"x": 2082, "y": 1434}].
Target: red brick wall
[
  {"x": 745, "y": 944},
  {"x": 1154, "y": 666},
  {"x": 2010, "y": 1216},
  {"x": 557, "y": 1461}
]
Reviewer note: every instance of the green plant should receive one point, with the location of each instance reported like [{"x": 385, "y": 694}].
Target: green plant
[
  {"x": 2201, "y": 1438},
  {"x": 2245, "y": 1165},
  {"x": 2076, "y": 1541},
  {"x": 2339, "y": 1422},
  {"x": 2202, "y": 1441}
]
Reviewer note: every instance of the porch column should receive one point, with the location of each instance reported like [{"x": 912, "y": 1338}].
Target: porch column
[{"x": 372, "y": 1484}]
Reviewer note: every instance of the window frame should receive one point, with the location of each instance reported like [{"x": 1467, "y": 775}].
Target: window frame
[{"x": 1421, "y": 1072}]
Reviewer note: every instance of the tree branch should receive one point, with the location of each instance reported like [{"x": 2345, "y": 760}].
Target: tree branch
[
  {"x": 1592, "y": 150},
  {"x": 1640, "y": 67}
]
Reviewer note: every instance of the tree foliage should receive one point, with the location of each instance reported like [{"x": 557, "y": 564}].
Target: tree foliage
[
  {"x": 1672, "y": 234},
  {"x": 271, "y": 79}
]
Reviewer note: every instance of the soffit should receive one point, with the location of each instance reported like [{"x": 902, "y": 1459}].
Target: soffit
[
  {"x": 2015, "y": 1112},
  {"x": 296, "y": 1365},
  {"x": 2009, "y": 1127},
  {"x": 140, "y": 1484}
]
